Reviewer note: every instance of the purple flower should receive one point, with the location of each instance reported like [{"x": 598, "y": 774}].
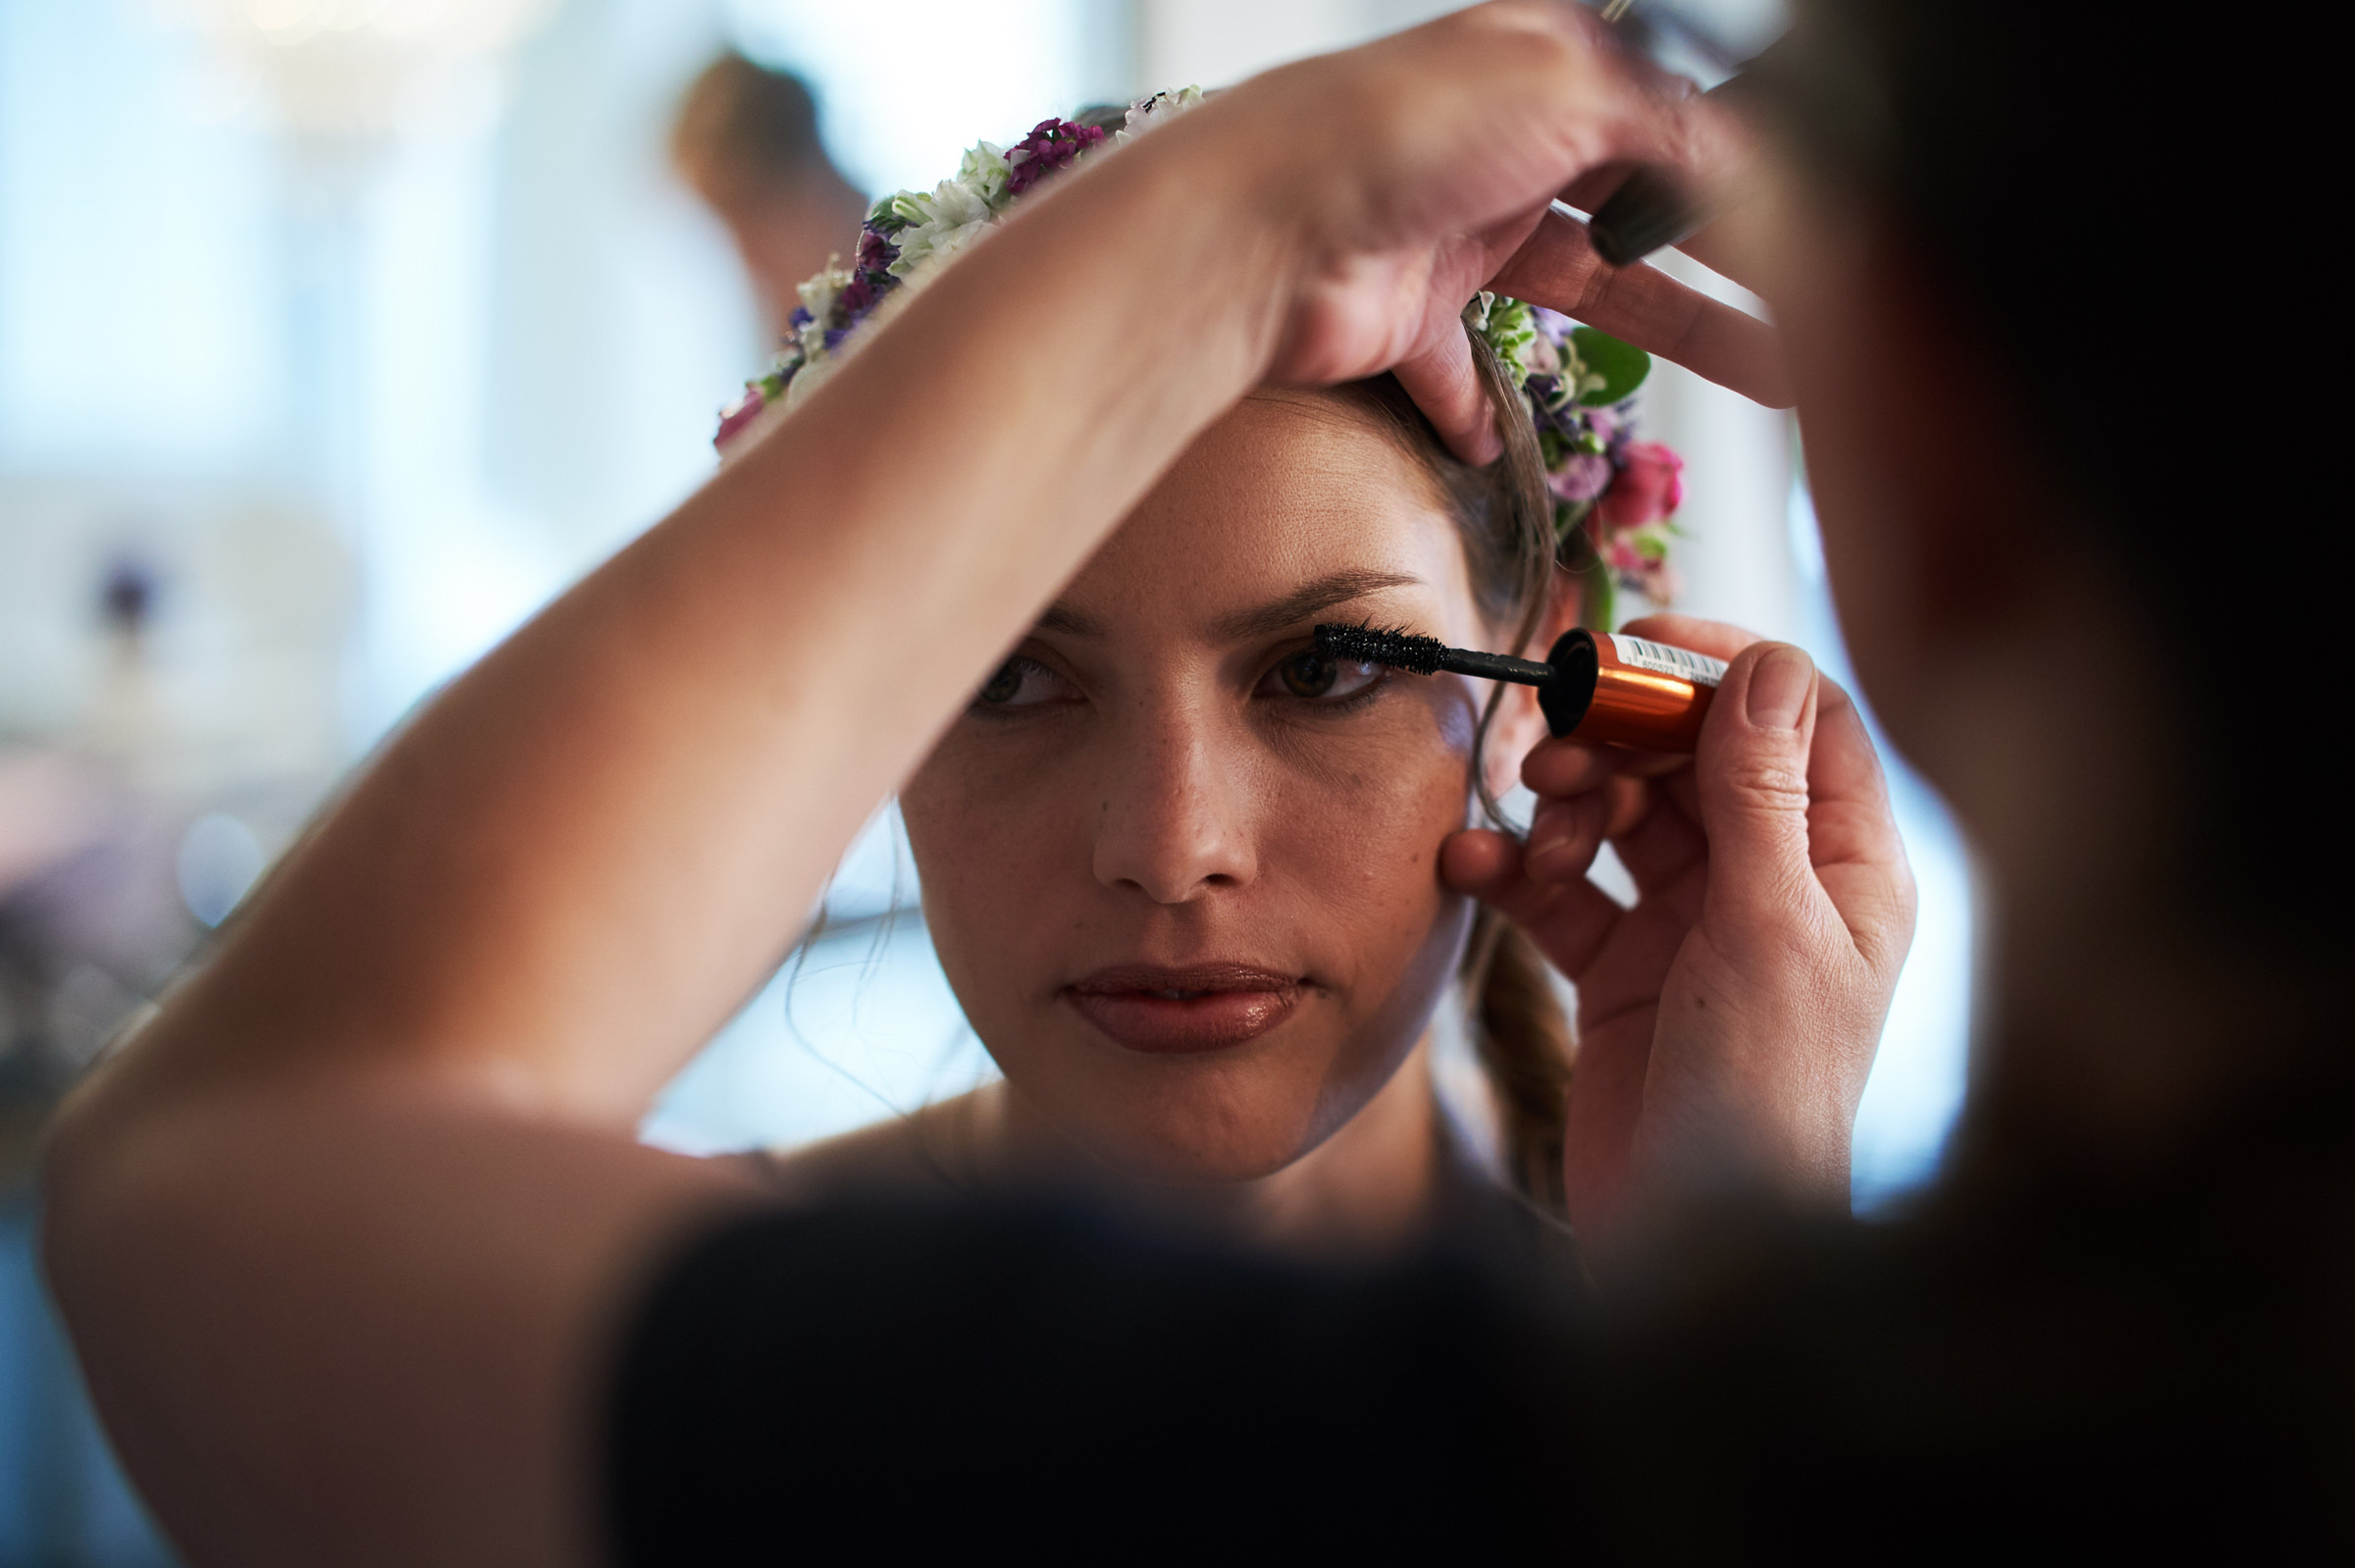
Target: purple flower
[
  {"x": 834, "y": 337},
  {"x": 876, "y": 252},
  {"x": 1562, "y": 416},
  {"x": 800, "y": 317},
  {"x": 1583, "y": 476},
  {"x": 1051, "y": 144},
  {"x": 854, "y": 299}
]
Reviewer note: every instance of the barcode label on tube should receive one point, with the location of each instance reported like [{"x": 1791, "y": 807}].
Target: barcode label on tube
[{"x": 1661, "y": 659}]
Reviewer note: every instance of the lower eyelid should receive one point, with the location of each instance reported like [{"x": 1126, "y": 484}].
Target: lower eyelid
[{"x": 1341, "y": 704}]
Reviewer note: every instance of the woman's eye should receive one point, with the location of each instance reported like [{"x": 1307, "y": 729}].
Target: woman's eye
[
  {"x": 1020, "y": 683},
  {"x": 1315, "y": 677}
]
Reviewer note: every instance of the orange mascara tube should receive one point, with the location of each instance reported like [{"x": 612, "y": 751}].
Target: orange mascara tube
[{"x": 1605, "y": 688}]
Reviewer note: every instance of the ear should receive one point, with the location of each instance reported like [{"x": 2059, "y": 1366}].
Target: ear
[{"x": 1519, "y": 723}]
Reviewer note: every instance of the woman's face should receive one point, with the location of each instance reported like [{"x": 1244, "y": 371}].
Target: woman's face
[{"x": 1180, "y": 869}]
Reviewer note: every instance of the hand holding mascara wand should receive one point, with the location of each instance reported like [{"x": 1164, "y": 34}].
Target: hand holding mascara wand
[{"x": 1602, "y": 687}]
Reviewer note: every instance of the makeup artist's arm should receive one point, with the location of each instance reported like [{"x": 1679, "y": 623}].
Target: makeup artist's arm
[
  {"x": 1728, "y": 1021},
  {"x": 342, "y": 1237}
]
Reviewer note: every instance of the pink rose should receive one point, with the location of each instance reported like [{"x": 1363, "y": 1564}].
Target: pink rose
[
  {"x": 1649, "y": 487},
  {"x": 1648, "y": 575},
  {"x": 743, "y": 414}
]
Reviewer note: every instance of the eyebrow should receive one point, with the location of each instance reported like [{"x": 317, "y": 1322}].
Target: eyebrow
[
  {"x": 1263, "y": 620},
  {"x": 1068, "y": 621},
  {"x": 1301, "y": 602}
]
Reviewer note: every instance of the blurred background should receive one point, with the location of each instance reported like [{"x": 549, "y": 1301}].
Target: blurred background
[{"x": 337, "y": 336}]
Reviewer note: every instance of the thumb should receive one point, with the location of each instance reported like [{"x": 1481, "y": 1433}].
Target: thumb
[{"x": 1751, "y": 771}]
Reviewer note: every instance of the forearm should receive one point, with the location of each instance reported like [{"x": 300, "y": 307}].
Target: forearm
[{"x": 577, "y": 861}]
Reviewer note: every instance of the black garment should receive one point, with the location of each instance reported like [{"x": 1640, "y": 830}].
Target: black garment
[
  {"x": 873, "y": 1378},
  {"x": 2055, "y": 1364}
]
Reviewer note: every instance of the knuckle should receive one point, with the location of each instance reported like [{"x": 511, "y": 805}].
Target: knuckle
[{"x": 1773, "y": 784}]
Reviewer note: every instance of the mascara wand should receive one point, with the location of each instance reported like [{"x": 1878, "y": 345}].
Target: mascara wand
[{"x": 1602, "y": 687}]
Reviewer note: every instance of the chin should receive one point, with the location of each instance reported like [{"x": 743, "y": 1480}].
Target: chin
[{"x": 1199, "y": 1123}]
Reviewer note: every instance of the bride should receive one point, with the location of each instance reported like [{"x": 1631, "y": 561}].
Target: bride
[{"x": 1183, "y": 872}]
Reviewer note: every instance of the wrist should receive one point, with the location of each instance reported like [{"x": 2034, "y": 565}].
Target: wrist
[{"x": 1240, "y": 214}]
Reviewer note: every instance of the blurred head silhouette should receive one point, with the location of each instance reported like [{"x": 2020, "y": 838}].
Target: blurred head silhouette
[
  {"x": 746, "y": 139},
  {"x": 2025, "y": 462}
]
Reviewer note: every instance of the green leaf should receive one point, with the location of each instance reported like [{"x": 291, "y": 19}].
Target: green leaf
[
  {"x": 1600, "y": 609},
  {"x": 1622, "y": 366}
]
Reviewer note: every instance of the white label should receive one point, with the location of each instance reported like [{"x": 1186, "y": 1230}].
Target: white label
[{"x": 1661, "y": 659}]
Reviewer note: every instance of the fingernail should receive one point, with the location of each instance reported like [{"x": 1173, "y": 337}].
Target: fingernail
[{"x": 1778, "y": 688}]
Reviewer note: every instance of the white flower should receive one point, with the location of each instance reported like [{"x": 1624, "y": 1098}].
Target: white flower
[
  {"x": 1157, "y": 110},
  {"x": 936, "y": 248},
  {"x": 1575, "y": 374},
  {"x": 805, "y": 381},
  {"x": 818, "y": 298},
  {"x": 952, "y": 215},
  {"x": 816, "y": 372},
  {"x": 983, "y": 170}
]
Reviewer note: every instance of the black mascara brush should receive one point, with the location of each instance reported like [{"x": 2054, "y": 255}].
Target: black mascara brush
[{"x": 1602, "y": 687}]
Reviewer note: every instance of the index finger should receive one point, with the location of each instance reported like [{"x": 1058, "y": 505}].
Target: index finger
[
  {"x": 1557, "y": 267},
  {"x": 1717, "y": 639}
]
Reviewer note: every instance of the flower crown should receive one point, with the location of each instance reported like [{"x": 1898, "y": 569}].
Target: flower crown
[{"x": 1614, "y": 497}]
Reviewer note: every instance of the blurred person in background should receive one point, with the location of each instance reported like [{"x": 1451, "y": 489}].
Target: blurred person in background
[
  {"x": 746, "y": 139},
  {"x": 354, "y": 1268}
]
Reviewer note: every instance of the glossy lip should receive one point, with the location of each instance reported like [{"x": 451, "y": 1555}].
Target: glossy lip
[{"x": 1215, "y": 1006}]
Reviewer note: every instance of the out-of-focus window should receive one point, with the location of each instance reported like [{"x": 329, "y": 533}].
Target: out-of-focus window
[{"x": 904, "y": 91}]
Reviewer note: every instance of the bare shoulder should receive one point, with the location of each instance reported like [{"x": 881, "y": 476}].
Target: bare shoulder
[{"x": 932, "y": 1152}]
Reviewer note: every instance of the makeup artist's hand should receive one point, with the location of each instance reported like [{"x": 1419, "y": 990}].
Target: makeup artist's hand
[
  {"x": 1728, "y": 1020},
  {"x": 1450, "y": 143}
]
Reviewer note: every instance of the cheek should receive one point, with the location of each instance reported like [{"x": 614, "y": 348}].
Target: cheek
[
  {"x": 1345, "y": 825},
  {"x": 996, "y": 848},
  {"x": 1354, "y": 833}
]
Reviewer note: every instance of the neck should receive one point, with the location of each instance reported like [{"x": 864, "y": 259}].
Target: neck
[{"x": 1367, "y": 1190}]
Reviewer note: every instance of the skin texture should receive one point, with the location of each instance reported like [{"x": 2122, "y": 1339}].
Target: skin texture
[
  {"x": 1163, "y": 796},
  {"x": 345, "y": 1234}
]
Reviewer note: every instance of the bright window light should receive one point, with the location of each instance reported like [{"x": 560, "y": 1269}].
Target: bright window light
[{"x": 904, "y": 92}]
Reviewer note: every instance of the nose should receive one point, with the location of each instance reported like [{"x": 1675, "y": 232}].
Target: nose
[{"x": 1175, "y": 821}]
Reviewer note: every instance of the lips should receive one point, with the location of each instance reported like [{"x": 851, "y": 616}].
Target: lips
[{"x": 1175, "y": 1010}]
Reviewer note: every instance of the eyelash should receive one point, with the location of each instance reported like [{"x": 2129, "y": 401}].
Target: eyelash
[
  {"x": 1323, "y": 707},
  {"x": 1355, "y": 700},
  {"x": 981, "y": 707},
  {"x": 1271, "y": 673}
]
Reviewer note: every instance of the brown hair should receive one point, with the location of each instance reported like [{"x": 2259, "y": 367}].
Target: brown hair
[
  {"x": 742, "y": 125},
  {"x": 1506, "y": 516}
]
